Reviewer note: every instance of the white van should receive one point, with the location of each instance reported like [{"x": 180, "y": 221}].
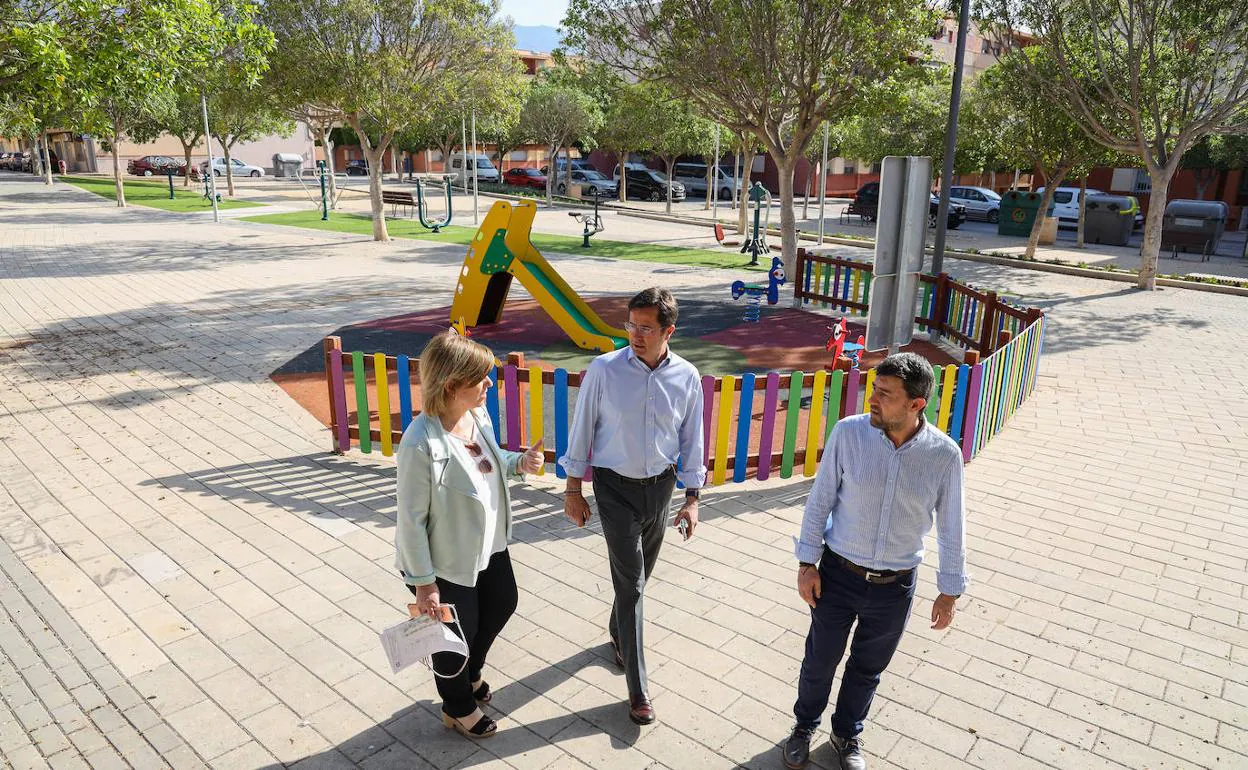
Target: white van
[
  {"x": 1066, "y": 204},
  {"x": 486, "y": 172}
]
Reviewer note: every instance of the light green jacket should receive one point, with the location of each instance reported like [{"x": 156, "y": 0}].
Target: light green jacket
[{"x": 441, "y": 518}]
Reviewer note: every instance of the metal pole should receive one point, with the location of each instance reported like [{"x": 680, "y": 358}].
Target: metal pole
[
  {"x": 211, "y": 172},
  {"x": 951, "y": 139},
  {"x": 476, "y": 211},
  {"x": 713, "y": 190},
  {"x": 736, "y": 163},
  {"x": 463, "y": 127},
  {"x": 823, "y": 181}
]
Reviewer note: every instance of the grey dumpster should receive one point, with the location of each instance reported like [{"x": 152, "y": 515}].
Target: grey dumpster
[
  {"x": 287, "y": 164},
  {"x": 1194, "y": 225},
  {"x": 1109, "y": 219}
]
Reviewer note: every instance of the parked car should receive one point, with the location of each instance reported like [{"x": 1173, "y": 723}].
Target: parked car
[
  {"x": 578, "y": 164},
  {"x": 154, "y": 165},
  {"x": 652, "y": 185},
  {"x": 693, "y": 177},
  {"x": 485, "y": 170},
  {"x": 1066, "y": 205},
  {"x": 592, "y": 182},
  {"x": 358, "y": 167},
  {"x": 237, "y": 167},
  {"x": 867, "y": 199},
  {"x": 631, "y": 165},
  {"x": 525, "y": 177},
  {"x": 981, "y": 202}
]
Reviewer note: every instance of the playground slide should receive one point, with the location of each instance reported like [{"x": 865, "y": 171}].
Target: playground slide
[{"x": 502, "y": 249}]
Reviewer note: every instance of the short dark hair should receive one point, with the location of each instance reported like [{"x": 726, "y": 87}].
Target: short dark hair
[
  {"x": 656, "y": 297},
  {"x": 914, "y": 371}
]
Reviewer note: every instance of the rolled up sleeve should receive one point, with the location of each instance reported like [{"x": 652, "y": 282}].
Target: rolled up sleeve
[
  {"x": 411, "y": 538},
  {"x": 950, "y": 531},
  {"x": 581, "y": 438},
  {"x": 692, "y": 452}
]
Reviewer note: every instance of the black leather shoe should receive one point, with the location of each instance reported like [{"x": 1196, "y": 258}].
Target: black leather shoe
[
  {"x": 796, "y": 750},
  {"x": 849, "y": 751}
]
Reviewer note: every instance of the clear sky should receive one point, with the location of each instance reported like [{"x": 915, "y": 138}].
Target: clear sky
[{"x": 536, "y": 12}]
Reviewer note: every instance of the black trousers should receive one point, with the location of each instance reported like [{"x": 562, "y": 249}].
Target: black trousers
[
  {"x": 484, "y": 610},
  {"x": 634, "y": 517}
]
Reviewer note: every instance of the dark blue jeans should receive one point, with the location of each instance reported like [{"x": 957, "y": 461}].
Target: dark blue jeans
[{"x": 881, "y": 612}]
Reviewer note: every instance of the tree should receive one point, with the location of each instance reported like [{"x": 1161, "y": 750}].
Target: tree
[
  {"x": 181, "y": 118},
  {"x": 382, "y": 63},
  {"x": 1213, "y": 156},
  {"x": 673, "y": 127},
  {"x": 775, "y": 68},
  {"x": 622, "y": 131},
  {"x": 556, "y": 116},
  {"x": 1046, "y": 140},
  {"x": 1147, "y": 78},
  {"x": 244, "y": 113}
]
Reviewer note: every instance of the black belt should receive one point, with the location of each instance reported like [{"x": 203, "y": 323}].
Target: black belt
[
  {"x": 646, "y": 482},
  {"x": 876, "y": 576}
]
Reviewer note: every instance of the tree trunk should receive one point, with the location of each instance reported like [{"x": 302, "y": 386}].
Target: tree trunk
[
  {"x": 1083, "y": 212},
  {"x": 47, "y": 154},
  {"x": 118, "y": 185},
  {"x": 623, "y": 187},
  {"x": 788, "y": 225},
  {"x": 667, "y": 166},
  {"x": 567, "y": 170},
  {"x": 323, "y": 130},
  {"x": 187, "y": 147},
  {"x": 1159, "y": 177},
  {"x": 553, "y": 173},
  {"x": 744, "y": 208},
  {"x": 1203, "y": 178},
  {"x": 229, "y": 167},
  {"x": 1014, "y": 186},
  {"x": 1050, "y": 189},
  {"x": 710, "y": 184},
  {"x": 992, "y": 180},
  {"x": 394, "y": 165},
  {"x": 373, "y": 156}
]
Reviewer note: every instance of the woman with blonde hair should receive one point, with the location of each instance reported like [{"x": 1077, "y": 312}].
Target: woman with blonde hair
[{"x": 454, "y": 518}]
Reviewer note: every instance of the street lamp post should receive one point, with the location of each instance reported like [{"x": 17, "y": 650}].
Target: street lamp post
[
  {"x": 951, "y": 138},
  {"x": 211, "y": 172}
]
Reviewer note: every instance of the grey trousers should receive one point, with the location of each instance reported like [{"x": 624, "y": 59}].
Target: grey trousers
[{"x": 634, "y": 517}]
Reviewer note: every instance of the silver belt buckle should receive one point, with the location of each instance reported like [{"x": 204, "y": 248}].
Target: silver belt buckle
[{"x": 871, "y": 574}]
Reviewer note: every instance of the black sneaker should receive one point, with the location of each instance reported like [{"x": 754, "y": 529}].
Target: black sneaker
[
  {"x": 849, "y": 751},
  {"x": 796, "y": 750}
]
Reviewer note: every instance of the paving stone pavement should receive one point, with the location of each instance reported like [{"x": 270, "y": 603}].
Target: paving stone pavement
[{"x": 191, "y": 579}]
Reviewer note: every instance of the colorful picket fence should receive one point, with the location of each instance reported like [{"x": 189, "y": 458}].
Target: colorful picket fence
[{"x": 754, "y": 425}]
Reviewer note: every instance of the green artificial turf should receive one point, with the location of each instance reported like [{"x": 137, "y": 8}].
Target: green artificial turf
[
  {"x": 545, "y": 243},
  {"x": 156, "y": 194}
]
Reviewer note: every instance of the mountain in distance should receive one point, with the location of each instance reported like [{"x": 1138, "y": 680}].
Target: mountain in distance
[{"x": 541, "y": 39}]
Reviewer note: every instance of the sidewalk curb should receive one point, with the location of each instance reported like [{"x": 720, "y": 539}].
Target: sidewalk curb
[{"x": 1024, "y": 264}]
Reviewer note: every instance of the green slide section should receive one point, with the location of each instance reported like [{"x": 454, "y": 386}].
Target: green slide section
[{"x": 534, "y": 275}]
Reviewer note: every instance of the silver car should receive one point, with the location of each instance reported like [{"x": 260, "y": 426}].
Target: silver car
[
  {"x": 592, "y": 182},
  {"x": 980, "y": 202}
]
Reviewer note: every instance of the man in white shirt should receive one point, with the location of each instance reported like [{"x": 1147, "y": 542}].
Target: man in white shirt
[{"x": 639, "y": 414}]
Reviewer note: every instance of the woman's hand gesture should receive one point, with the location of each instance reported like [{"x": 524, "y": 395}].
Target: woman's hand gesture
[{"x": 533, "y": 460}]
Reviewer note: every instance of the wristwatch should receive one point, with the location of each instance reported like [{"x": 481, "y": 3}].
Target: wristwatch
[{"x": 693, "y": 494}]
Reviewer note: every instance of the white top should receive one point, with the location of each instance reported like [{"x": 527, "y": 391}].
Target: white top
[{"x": 489, "y": 487}]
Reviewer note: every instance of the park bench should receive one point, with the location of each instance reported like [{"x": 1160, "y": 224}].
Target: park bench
[
  {"x": 864, "y": 212},
  {"x": 396, "y": 198}
]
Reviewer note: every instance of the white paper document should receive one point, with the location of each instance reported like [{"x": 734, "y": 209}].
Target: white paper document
[{"x": 416, "y": 639}]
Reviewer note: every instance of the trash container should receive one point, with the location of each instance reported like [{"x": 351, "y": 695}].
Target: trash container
[
  {"x": 287, "y": 164},
  {"x": 1018, "y": 212},
  {"x": 1109, "y": 219},
  {"x": 1195, "y": 225}
]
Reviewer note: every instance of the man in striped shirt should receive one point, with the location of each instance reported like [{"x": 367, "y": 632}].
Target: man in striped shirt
[{"x": 883, "y": 480}]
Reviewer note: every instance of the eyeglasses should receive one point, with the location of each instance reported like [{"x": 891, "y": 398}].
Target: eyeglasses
[
  {"x": 478, "y": 456},
  {"x": 644, "y": 331}
]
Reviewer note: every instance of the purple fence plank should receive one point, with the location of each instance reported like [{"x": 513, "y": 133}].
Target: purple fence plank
[
  {"x": 850, "y": 406},
  {"x": 340, "y": 400},
  {"x": 972, "y": 412},
  {"x": 708, "y": 404},
  {"x": 769, "y": 425}
]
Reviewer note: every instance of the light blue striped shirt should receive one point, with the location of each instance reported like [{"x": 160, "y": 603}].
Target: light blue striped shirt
[
  {"x": 637, "y": 421},
  {"x": 873, "y": 502}
]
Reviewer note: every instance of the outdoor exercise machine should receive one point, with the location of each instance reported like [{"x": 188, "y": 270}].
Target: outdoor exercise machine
[
  {"x": 756, "y": 243},
  {"x": 422, "y": 208},
  {"x": 593, "y": 224}
]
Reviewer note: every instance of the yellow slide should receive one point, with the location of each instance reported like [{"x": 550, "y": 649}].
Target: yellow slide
[{"x": 501, "y": 250}]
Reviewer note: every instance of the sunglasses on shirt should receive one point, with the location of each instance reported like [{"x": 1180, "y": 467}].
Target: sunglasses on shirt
[{"x": 478, "y": 456}]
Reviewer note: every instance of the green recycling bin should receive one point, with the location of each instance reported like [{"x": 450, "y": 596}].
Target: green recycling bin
[{"x": 1018, "y": 212}]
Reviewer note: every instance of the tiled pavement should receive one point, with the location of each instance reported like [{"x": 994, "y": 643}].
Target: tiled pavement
[{"x": 191, "y": 579}]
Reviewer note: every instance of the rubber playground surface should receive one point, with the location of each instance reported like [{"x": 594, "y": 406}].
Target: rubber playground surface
[{"x": 712, "y": 335}]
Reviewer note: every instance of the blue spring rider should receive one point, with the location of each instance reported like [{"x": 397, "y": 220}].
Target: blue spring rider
[{"x": 754, "y": 292}]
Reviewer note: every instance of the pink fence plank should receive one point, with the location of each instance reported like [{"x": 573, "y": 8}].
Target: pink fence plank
[
  {"x": 770, "y": 400},
  {"x": 340, "y": 400}
]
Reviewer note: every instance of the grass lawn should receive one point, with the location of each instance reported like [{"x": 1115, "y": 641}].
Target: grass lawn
[
  {"x": 156, "y": 194},
  {"x": 545, "y": 243}
]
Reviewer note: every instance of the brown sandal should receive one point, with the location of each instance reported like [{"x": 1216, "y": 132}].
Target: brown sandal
[{"x": 483, "y": 727}]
